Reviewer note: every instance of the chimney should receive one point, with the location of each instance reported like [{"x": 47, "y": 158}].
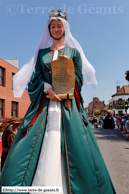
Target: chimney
[{"x": 117, "y": 88}]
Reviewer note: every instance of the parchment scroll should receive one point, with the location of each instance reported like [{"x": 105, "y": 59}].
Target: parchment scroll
[{"x": 63, "y": 77}]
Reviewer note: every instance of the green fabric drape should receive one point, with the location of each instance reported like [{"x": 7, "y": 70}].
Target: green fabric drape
[{"x": 85, "y": 170}]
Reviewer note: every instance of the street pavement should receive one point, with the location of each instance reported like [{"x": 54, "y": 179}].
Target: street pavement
[{"x": 115, "y": 151}]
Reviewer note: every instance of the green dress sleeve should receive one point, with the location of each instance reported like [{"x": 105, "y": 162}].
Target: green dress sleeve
[
  {"x": 35, "y": 91},
  {"x": 36, "y": 84}
]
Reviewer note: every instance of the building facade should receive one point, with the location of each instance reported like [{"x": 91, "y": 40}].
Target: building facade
[
  {"x": 96, "y": 104},
  {"x": 104, "y": 111},
  {"x": 118, "y": 101},
  {"x": 10, "y": 106},
  {"x": 87, "y": 111}
]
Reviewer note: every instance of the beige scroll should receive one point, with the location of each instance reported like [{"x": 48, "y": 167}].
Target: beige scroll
[{"x": 63, "y": 77}]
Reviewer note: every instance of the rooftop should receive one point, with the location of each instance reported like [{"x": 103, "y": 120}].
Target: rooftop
[
  {"x": 122, "y": 91},
  {"x": 13, "y": 62},
  {"x": 106, "y": 107}
]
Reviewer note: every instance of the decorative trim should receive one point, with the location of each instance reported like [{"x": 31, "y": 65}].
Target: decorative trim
[
  {"x": 38, "y": 112},
  {"x": 66, "y": 146},
  {"x": 92, "y": 156},
  {"x": 57, "y": 49},
  {"x": 34, "y": 147},
  {"x": 119, "y": 94}
]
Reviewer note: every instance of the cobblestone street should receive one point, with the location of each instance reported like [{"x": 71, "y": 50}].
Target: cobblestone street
[{"x": 115, "y": 150}]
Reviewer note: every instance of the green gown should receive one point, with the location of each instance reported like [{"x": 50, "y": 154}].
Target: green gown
[{"x": 85, "y": 170}]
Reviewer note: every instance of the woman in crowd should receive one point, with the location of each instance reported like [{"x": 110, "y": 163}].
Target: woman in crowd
[{"x": 120, "y": 124}]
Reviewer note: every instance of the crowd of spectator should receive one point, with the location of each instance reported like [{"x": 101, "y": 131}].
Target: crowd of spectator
[
  {"x": 121, "y": 123},
  {"x": 97, "y": 121}
]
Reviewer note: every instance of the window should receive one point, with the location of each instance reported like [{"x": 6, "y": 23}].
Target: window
[
  {"x": 120, "y": 101},
  {"x": 12, "y": 79},
  {"x": 110, "y": 105},
  {"x": 1, "y": 76},
  {"x": 120, "y": 113},
  {"x": 1, "y": 107},
  {"x": 14, "y": 109}
]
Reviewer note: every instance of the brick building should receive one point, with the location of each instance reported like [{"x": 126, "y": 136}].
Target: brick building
[
  {"x": 10, "y": 106},
  {"x": 87, "y": 111},
  {"x": 118, "y": 100},
  {"x": 96, "y": 104},
  {"x": 104, "y": 111}
]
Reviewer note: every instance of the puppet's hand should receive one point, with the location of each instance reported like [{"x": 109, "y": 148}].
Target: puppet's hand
[
  {"x": 53, "y": 95},
  {"x": 63, "y": 57}
]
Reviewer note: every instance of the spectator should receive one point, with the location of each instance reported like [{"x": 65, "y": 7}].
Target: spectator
[
  {"x": 101, "y": 122},
  {"x": 8, "y": 138},
  {"x": 126, "y": 130},
  {"x": 124, "y": 121},
  {"x": 114, "y": 120},
  {"x": 117, "y": 122},
  {"x": 120, "y": 124},
  {"x": 109, "y": 121}
]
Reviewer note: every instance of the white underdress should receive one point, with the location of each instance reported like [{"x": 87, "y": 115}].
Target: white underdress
[{"x": 50, "y": 169}]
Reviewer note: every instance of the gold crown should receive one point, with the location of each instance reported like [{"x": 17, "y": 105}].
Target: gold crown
[{"x": 52, "y": 14}]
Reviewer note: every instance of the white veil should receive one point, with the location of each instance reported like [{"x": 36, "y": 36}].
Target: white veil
[{"x": 22, "y": 77}]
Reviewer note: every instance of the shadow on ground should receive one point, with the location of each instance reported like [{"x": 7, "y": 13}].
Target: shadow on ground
[{"x": 109, "y": 134}]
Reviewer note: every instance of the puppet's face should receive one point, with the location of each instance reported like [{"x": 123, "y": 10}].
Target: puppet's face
[{"x": 56, "y": 28}]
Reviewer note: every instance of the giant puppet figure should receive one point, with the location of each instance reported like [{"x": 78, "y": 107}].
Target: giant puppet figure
[
  {"x": 108, "y": 122},
  {"x": 55, "y": 144}
]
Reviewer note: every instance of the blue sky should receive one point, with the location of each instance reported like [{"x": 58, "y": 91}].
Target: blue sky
[{"x": 100, "y": 26}]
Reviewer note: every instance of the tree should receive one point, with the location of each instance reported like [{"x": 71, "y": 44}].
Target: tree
[
  {"x": 127, "y": 75},
  {"x": 97, "y": 112}
]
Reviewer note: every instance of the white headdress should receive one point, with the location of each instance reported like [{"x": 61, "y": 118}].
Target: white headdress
[{"x": 22, "y": 77}]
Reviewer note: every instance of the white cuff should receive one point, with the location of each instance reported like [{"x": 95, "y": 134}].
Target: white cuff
[{"x": 46, "y": 87}]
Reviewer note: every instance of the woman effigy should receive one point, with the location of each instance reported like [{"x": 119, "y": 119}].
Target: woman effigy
[{"x": 55, "y": 144}]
